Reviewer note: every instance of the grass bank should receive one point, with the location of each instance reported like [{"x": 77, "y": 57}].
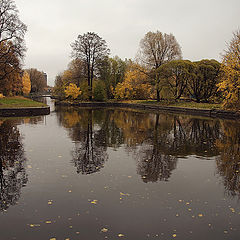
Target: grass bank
[
  {"x": 183, "y": 104},
  {"x": 19, "y": 102}
]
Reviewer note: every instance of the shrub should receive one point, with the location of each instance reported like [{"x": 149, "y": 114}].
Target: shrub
[{"x": 99, "y": 92}]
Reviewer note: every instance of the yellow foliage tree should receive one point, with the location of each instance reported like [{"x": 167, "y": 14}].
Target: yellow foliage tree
[
  {"x": 26, "y": 82},
  {"x": 72, "y": 91},
  {"x": 230, "y": 84},
  {"x": 135, "y": 85}
]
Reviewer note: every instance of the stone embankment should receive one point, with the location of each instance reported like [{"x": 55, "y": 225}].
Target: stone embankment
[
  {"x": 24, "y": 112},
  {"x": 215, "y": 113}
]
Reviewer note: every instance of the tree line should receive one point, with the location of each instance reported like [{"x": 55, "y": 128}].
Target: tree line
[
  {"x": 14, "y": 80},
  {"x": 158, "y": 72}
]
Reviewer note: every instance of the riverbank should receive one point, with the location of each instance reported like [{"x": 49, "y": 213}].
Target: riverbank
[
  {"x": 20, "y": 107},
  {"x": 213, "y": 110}
]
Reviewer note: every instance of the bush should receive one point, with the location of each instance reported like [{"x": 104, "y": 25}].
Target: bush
[{"x": 99, "y": 92}]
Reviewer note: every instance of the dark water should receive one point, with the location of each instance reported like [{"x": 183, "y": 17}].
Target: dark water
[{"x": 94, "y": 174}]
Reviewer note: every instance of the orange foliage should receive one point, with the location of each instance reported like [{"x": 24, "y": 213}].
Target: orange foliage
[{"x": 135, "y": 85}]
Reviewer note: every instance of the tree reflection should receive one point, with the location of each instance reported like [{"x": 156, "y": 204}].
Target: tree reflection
[
  {"x": 155, "y": 140},
  {"x": 90, "y": 154},
  {"x": 228, "y": 163},
  {"x": 154, "y": 162},
  {"x": 12, "y": 165},
  {"x": 92, "y": 131}
]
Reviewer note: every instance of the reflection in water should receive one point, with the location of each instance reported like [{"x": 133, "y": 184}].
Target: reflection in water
[
  {"x": 13, "y": 174},
  {"x": 90, "y": 154},
  {"x": 156, "y": 141},
  {"x": 87, "y": 131},
  {"x": 154, "y": 163},
  {"x": 228, "y": 163}
]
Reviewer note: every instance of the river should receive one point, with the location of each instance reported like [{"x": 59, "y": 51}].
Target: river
[{"x": 94, "y": 174}]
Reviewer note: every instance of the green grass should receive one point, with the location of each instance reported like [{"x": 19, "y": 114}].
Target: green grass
[
  {"x": 182, "y": 104},
  {"x": 19, "y": 102}
]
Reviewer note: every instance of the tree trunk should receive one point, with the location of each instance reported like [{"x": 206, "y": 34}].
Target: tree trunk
[{"x": 158, "y": 95}]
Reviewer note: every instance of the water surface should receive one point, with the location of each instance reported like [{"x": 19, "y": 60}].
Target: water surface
[{"x": 119, "y": 174}]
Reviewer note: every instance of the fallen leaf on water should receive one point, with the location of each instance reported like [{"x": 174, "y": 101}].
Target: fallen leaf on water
[
  {"x": 59, "y": 156},
  {"x": 233, "y": 210},
  {"x": 174, "y": 235},
  {"x": 121, "y": 235},
  {"x": 104, "y": 230},
  {"x": 124, "y": 194},
  {"x": 34, "y": 225},
  {"x": 52, "y": 239},
  {"x": 29, "y": 166},
  {"x": 48, "y": 222},
  {"x": 200, "y": 214},
  {"x": 49, "y": 202},
  {"x": 94, "y": 201}
]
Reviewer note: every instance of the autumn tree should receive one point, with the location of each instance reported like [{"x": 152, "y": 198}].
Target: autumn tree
[
  {"x": 111, "y": 72},
  {"x": 38, "y": 82},
  {"x": 10, "y": 80},
  {"x": 26, "y": 82},
  {"x": 135, "y": 84},
  {"x": 175, "y": 76},
  {"x": 72, "y": 91},
  {"x": 203, "y": 85},
  {"x": 12, "y": 46},
  {"x": 230, "y": 83},
  {"x": 77, "y": 68},
  {"x": 157, "y": 48},
  {"x": 91, "y": 50}
]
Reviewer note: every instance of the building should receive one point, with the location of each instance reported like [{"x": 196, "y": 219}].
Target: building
[{"x": 45, "y": 77}]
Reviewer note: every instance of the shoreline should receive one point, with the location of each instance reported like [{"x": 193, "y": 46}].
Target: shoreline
[
  {"x": 213, "y": 113},
  {"x": 24, "y": 111}
]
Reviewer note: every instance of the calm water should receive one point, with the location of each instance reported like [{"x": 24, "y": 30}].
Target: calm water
[{"x": 94, "y": 174}]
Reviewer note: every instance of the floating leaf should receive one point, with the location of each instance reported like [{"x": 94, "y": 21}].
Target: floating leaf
[
  {"x": 48, "y": 222},
  {"x": 121, "y": 235},
  {"x": 104, "y": 230},
  {"x": 124, "y": 194},
  {"x": 94, "y": 201},
  {"x": 174, "y": 235},
  {"x": 34, "y": 225}
]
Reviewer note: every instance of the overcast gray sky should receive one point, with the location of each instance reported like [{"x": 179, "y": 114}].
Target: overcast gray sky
[{"x": 202, "y": 27}]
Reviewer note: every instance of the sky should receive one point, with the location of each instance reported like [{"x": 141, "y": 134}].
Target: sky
[{"x": 202, "y": 28}]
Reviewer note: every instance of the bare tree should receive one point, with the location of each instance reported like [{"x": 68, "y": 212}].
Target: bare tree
[
  {"x": 157, "y": 48},
  {"x": 38, "y": 82},
  {"x": 91, "y": 49},
  {"x": 12, "y": 31}
]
